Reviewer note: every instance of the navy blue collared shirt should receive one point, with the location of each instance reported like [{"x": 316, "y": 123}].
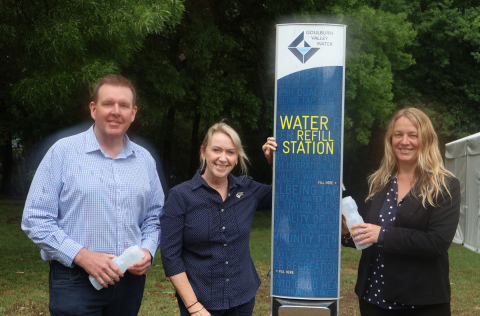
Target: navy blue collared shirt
[
  {"x": 388, "y": 213},
  {"x": 209, "y": 238}
]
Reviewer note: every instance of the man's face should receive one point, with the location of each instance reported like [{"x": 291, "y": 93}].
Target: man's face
[{"x": 113, "y": 112}]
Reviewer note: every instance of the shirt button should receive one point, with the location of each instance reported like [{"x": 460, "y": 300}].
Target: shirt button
[
  {"x": 226, "y": 262},
  {"x": 223, "y": 227},
  {"x": 228, "y": 194},
  {"x": 224, "y": 245},
  {"x": 227, "y": 280},
  {"x": 222, "y": 210}
]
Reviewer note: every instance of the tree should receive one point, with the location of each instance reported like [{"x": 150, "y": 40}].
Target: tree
[
  {"x": 219, "y": 63},
  {"x": 52, "y": 52},
  {"x": 444, "y": 80}
]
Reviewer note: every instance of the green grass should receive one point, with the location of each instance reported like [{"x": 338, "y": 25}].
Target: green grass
[{"x": 24, "y": 276}]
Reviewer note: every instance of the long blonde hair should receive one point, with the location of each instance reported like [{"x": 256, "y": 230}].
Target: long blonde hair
[
  {"x": 226, "y": 129},
  {"x": 430, "y": 175}
]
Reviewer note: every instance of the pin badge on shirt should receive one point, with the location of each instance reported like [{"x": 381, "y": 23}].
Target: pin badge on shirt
[{"x": 239, "y": 194}]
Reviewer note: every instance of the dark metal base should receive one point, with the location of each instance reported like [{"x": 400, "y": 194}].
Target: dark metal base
[{"x": 290, "y": 307}]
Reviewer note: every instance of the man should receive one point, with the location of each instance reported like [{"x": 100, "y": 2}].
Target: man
[{"x": 94, "y": 195}]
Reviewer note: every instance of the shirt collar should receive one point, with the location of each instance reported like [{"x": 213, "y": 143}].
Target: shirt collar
[
  {"x": 91, "y": 144},
  {"x": 198, "y": 181}
]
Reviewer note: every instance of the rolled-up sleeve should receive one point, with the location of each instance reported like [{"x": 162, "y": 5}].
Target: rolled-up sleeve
[{"x": 171, "y": 242}]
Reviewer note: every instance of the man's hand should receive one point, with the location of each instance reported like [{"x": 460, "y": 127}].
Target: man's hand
[
  {"x": 143, "y": 265},
  {"x": 100, "y": 266}
]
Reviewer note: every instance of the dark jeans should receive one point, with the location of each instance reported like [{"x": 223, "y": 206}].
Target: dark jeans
[
  {"x": 367, "y": 309},
  {"x": 71, "y": 293},
  {"x": 241, "y": 310}
]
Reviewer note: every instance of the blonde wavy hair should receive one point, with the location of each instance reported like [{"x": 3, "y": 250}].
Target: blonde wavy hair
[
  {"x": 226, "y": 129},
  {"x": 430, "y": 175}
]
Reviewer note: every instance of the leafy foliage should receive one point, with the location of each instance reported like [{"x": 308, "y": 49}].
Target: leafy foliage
[
  {"x": 57, "y": 46},
  {"x": 217, "y": 61},
  {"x": 375, "y": 44},
  {"x": 444, "y": 79},
  {"x": 53, "y": 51}
]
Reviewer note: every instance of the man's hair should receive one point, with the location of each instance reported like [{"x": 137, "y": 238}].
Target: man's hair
[{"x": 116, "y": 81}]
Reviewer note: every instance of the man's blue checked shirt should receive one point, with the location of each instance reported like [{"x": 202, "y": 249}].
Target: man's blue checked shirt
[{"x": 80, "y": 197}]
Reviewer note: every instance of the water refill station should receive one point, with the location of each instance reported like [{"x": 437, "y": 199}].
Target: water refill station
[{"x": 309, "y": 112}]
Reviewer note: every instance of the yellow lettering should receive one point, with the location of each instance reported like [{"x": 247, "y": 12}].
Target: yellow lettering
[
  {"x": 293, "y": 145},
  {"x": 318, "y": 148},
  {"x": 307, "y": 134},
  {"x": 306, "y": 118},
  {"x": 289, "y": 123},
  {"x": 285, "y": 144},
  {"x": 323, "y": 136},
  {"x": 330, "y": 146},
  {"x": 300, "y": 147},
  {"x": 308, "y": 146},
  {"x": 313, "y": 122},
  {"x": 323, "y": 121},
  {"x": 299, "y": 124},
  {"x": 299, "y": 135}
]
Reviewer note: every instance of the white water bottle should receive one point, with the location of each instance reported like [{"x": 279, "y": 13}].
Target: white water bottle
[
  {"x": 350, "y": 211},
  {"x": 128, "y": 258}
]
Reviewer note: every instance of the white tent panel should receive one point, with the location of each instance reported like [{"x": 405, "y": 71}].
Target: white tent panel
[
  {"x": 458, "y": 167},
  {"x": 462, "y": 158},
  {"x": 472, "y": 195}
]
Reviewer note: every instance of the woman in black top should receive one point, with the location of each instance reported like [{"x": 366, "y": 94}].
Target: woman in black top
[
  {"x": 411, "y": 217},
  {"x": 205, "y": 230}
]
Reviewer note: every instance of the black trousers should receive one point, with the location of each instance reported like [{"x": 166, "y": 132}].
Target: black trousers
[{"x": 367, "y": 309}]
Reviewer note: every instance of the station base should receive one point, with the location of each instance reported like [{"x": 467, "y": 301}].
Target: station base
[{"x": 295, "y": 307}]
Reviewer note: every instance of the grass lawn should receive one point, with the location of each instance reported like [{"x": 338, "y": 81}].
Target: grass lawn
[{"x": 24, "y": 276}]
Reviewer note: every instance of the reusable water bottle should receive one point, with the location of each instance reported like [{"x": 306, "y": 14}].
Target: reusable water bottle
[
  {"x": 350, "y": 211},
  {"x": 128, "y": 258}
]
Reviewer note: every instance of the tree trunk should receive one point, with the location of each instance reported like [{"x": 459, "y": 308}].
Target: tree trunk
[{"x": 194, "y": 153}]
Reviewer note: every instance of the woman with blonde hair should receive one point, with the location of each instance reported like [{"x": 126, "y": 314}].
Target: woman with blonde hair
[
  {"x": 411, "y": 216},
  {"x": 205, "y": 230}
]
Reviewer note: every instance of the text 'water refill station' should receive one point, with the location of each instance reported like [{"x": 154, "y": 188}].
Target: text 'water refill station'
[{"x": 309, "y": 112}]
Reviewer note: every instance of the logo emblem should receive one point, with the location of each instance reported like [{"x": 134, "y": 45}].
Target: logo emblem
[
  {"x": 239, "y": 194},
  {"x": 301, "y": 49}
]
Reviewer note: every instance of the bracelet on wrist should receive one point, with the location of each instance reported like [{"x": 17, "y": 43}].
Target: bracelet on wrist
[
  {"x": 197, "y": 310},
  {"x": 192, "y": 304}
]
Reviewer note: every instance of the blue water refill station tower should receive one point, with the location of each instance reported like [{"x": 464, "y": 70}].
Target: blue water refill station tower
[{"x": 309, "y": 115}]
